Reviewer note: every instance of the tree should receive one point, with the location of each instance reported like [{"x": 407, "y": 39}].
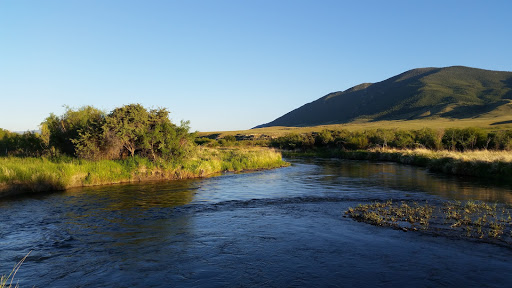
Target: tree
[
  {"x": 430, "y": 138},
  {"x": 128, "y": 124},
  {"x": 63, "y": 132}
]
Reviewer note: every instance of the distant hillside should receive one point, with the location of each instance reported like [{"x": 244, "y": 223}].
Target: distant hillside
[{"x": 454, "y": 92}]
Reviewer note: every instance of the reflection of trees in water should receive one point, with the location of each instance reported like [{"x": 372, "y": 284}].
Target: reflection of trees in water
[
  {"x": 404, "y": 177},
  {"x": 140, "y": 195},
  {"x": 118, "y": 214}
]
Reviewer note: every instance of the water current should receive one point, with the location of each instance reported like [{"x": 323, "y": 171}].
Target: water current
[{"x": 276, "y": 228}]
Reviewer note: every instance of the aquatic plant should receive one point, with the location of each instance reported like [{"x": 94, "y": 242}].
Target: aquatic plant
[
  {"x": 473, "y": 219},
  {"x": 407, "y": 216}
]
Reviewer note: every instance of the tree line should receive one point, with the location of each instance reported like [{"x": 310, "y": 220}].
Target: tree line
[
  {"x": 459, "y": 139},
  {"x": 89, "y": 133}
]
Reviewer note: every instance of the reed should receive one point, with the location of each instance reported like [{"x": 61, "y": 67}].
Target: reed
[{"x": 7, "y": 281}]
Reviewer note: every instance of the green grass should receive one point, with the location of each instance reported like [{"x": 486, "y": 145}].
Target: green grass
[{"x": 41, "y": 174}]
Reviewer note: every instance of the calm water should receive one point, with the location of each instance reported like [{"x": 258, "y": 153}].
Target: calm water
[{"x": 279, "y": 228}]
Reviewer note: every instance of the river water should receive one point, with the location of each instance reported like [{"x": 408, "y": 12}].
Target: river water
[{"x": 277, "y": 228}]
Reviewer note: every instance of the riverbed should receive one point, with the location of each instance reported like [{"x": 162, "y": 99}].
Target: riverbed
[{"x": 274, "y": 228}]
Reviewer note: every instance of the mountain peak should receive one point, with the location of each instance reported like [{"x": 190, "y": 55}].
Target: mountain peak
[{"x": 454, "y": 92}]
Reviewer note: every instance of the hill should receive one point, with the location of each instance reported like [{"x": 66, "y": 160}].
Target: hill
[{"x": 455, "y": 92}]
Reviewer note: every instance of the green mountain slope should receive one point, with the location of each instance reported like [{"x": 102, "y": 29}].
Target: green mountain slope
[{"x": 452, "y": 92}]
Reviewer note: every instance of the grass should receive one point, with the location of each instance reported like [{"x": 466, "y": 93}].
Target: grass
[
  {"x": 491, "y": 122},
  {"x": 471, "y": 219},
  {"x": 42, "y": 174},
  {"x": 7, "y": 281}
]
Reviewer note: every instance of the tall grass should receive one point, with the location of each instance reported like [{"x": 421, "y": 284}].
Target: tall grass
[
  {"x": 6, "y": 281},
  {"x": 42, "y": 174}
]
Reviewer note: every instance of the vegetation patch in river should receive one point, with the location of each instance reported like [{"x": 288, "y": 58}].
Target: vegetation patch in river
[{"x": 471, "y": 219}]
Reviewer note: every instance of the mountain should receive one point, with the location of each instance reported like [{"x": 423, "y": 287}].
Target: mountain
[{"x": 455, "y": 92}]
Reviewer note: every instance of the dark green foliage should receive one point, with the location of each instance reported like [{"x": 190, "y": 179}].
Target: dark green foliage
[
  {"x": 230, "y": 138},
  {"x": 429, "y": 138},
  {"x": 88, "y": 133},
  {"x": 456, "y": 139},
  {"x": 132, "y": 130},
  {"x": 451, "y": 92},
  {"x": 207, "y": 142},
  {"x": 294, "y": 141},
  {"x": 465, "y": 139},
  {"x": 403, "y": 139},
  {"x": 356, "y": 141},
  {"x": 228, "y": 141},
  {"x": 324, "y": 138},
  {"x": 62, "y": 131},
  {"x": 381, "y": 137},
  {"x": 26, "y": 144},
  {"x": 501, "y": 140}
]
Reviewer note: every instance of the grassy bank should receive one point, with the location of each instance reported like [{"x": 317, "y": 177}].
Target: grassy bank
[
  {"x": 485, "y": 164},
  {"x": 20, "y": 175}
]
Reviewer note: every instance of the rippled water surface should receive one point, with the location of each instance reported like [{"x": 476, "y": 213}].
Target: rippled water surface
[{"x": 278, "y": 228}]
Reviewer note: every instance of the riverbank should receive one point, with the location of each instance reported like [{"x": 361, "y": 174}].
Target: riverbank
[
  {"x": 32, "y": 175},
  {"x": 482, "y": 163}
]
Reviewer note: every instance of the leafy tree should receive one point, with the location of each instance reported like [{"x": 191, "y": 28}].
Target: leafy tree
[
  {"x": 324, "y": 138},
  {"x": 63, "y": 132},
  {"x": 128, "y": 124},
  {"x": 403, "y": 139},
  {"x": 381, "y": 137},
  {"x": 450, "y": 138},
  {"x": 430, "y": 138},
  {"x": 357, "y": 140}
]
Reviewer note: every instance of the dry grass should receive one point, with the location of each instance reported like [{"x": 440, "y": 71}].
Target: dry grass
[
  {"x": 488, "y": 156},
  {"x": 7, "y": 281},
  {"x": 490, "y": 122}
]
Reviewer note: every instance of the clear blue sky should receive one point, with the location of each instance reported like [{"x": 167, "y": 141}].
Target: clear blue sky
[{"x": 228, "y": 65}]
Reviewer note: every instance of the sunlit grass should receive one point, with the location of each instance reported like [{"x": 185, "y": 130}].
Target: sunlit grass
[
  {"x": 468, "y": 156},
  {"x": 490, "y": 122},
  {"x": 41, "y": 174}
]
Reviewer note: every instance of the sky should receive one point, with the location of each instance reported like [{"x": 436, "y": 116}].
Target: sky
[{"x": 228, "y": 64}]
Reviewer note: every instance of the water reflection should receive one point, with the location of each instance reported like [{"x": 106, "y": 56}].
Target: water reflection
[
  {"x": 413, "y": 179},
  {"x": 136, "y": 195}
]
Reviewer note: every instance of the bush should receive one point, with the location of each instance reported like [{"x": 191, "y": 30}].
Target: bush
[{"x": 403, "y": 139}]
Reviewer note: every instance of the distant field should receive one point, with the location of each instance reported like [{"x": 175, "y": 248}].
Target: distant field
[{"x": 491, "y": 123}]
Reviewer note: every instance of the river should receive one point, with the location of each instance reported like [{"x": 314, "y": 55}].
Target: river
[{"x": 275, "y": 228}]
